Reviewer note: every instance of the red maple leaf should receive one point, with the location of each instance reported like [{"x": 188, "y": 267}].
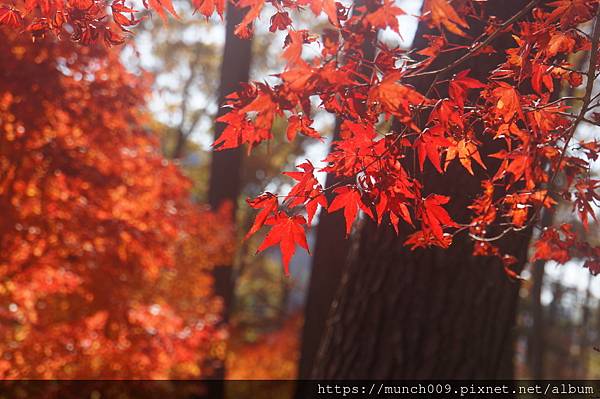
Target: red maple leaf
[
  {"x": 300, "y": 193},
  {"x": 268, "y": 204},
  {"x": 207, "y": 7},
  {"x": 570, "y": 12},
  {"x": 287, "y": 231},
  {"x": 10, "y": 16},
  {"x": 441, "y": 13},
  {"x": 330, "y": 8},
  {"x": 459, "y": 85},
  {"x": 464, "y": 150},
  {"x": 386, "y": 16},
  {"x": 301, "y": 124},
  {"x": 280, "y": 21},
  {"x": 434, "y": 217},
  {"x": 507, "y": 102},
  {"x": 429, "y": 144},
  {"x": 349, "y": 198}
]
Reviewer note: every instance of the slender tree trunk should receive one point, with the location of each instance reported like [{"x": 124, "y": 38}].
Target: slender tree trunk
[
  {"x": 330, "y": 253},
  {"x": 537, "y": 336},
  {"x": 178, "y": 149},
  {"x": 225, "y": 169},
  {"x": 428, "y": 313},
  {"x": 556, "y": 332},
  {"x": 225, "y": 176},
  {"x": 584, "y": 342}
]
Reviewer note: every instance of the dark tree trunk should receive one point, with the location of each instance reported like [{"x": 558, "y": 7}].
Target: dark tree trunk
[
  {"x": 330, "y": 253},
  {"x": 225, "y": 169},
  {"x": 422, "y": 314},
  {"x": 178, "y": 149},
  {"x": 428, "y": 313},
  {"x": 537, "y": 338},
  {"x": 225, "y": 176}
]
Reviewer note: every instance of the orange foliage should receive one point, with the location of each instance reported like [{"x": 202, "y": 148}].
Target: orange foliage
[
  {"x": 104, "y": 262},
  {"x": 273, "y": 357}
]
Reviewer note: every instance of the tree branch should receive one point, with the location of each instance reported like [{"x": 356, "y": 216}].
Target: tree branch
[
  {"x": 474, "y": 50},
  {"x": 587, "y": 97}
]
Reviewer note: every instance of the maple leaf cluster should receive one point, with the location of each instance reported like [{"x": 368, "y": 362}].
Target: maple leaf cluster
[
  {"x": 510, "y": 128},
  {"x": 101, "y": 271},
  {"x": 402, "y": 116}
]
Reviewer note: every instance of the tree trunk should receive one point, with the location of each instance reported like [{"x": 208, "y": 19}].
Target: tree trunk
[
  {"x": 428, "y": 313},
  {"x": 178, "y": 149},
  {"x": 584, "y": 340},
  {"x": 537, "y": 336},
  {"x": 330, "y": 253},
  {"x": 225, "y": 176},
  {"x": 225, "y": 169}
]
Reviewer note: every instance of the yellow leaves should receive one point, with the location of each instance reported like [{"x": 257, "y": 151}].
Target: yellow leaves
[{"x": 441, "y": 13}]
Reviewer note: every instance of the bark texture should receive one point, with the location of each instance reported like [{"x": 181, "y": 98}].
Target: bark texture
[{"x": 422, "y": 314}]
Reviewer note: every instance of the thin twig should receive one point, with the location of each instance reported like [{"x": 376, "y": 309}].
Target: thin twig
[
  {"x": 475, "y": 50},
  {"x": 587, "y": 97}
]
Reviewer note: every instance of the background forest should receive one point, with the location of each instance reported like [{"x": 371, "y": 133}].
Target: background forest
[{"x": 127, "y": 257}]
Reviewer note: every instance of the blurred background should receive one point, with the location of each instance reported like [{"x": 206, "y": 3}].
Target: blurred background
[
  {"x": 559, "y": 313},
  {"x": 260, "y": 335}
]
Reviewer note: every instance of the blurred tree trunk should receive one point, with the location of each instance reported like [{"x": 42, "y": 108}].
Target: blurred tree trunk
[
  {"x": 556, "y": 332},
  {"x": 330, "y": 253},
  {"x": 183, "y": 133},
  {"x": 428, "y": 313},
  {"x": 537, "y": 336},
  {"x": 225, "y": 168},
  {"x": 584, "y": 342}
]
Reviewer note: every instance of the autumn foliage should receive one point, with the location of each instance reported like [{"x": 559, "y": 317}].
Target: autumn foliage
[
  {"x": 274, "y": 356},
  {"x": 102, "y": 274},
  {"x": 402, "y": 118},
  {"x": 510, "y": 129}
]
